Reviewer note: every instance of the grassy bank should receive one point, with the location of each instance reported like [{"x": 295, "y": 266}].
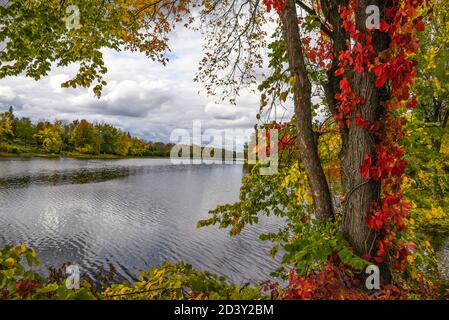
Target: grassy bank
[
  {"x": 75, "y": 156},
  {"x": 13, "y": 150}
]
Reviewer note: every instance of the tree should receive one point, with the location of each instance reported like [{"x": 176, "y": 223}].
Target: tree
[
  {"x": 80, "y": 136},
  {"x": 110, "y": 138},
  {"x": 362, "y": 75},
  {"x": 138, "y": 147},
  {"x": 6, "y": 126},
  {"x": 49, "y": 136},
  {"x": 427, "y": 132},
  {"x": 363, "y": 78},
  {"x": 45, "y": 32},
  {"x": 86, "y": 138},
  {"x": 307, "y": 145},
  {"x": 25, "y": 130},
  {"x": 124, "y": 145},
  {"x": 433, "y": 57}
]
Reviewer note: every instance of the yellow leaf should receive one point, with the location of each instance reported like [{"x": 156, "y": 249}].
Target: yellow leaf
[{"x": 10, "y": 262}]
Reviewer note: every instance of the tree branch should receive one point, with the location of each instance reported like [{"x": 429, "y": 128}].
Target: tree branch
[{"x": 313, "y": 13}]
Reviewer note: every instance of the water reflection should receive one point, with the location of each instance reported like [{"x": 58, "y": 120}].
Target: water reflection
[
  {"x": 134, "y": 213},
  {"x": 69, "y": 177}
]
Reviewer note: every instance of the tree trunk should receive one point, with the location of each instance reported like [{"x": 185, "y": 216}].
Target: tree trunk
[
  {"x": 359, "y": 193},
  {"x": 303, "y": 111},
  {"x": 356, "y": 142}
]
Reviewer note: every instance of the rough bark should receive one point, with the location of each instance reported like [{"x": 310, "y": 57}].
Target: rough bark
[
  {"x": 357, "y": 142},
  {"x": 303, "y": 111}
]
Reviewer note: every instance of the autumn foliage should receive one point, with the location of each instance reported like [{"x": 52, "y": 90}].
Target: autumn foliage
[
  {"x": 395, "y": 69},
  {"x": 404, "y": 187}
]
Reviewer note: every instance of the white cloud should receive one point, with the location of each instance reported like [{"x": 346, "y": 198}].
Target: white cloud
[
  {"x": 7, "y": 94},
  {"x": 56, "y": 80},
  {"x": 142, "y": 97},
  {"x": 225, "y": 112}
]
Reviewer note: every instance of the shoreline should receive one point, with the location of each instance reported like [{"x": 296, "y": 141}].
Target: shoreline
[{"x": 6, "y": 155}]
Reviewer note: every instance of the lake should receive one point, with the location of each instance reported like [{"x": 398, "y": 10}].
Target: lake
[{"x": 132, "y": 213}]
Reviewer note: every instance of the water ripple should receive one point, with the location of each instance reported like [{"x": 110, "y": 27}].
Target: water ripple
[{"x": 133, "y": 213}]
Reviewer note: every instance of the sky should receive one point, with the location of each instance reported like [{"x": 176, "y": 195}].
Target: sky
[{"x": 142, "y": 96}]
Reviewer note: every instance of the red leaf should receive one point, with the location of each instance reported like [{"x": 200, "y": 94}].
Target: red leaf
[
  {"x": 420, "y": 26},
  {"x": 362, "y": 123},
  {"x": 365, "y": 167},
  {"x": 340, "y": 71},
  {"x": 412, "y": 104}
]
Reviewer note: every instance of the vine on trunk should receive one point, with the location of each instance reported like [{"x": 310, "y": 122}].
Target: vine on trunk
[{"x": 395, "y": 70}]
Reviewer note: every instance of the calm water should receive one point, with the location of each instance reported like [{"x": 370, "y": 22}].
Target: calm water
[{"x": 133, "y": 213}]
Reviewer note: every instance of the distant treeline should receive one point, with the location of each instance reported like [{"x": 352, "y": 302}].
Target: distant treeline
[{"x": 80, "y": 137}]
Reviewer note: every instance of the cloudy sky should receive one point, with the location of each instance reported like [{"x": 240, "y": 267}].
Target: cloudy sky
[{"x": 142, "y": 97}]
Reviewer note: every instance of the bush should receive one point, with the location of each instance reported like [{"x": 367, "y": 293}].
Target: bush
[{"x": 170, "y": 281}]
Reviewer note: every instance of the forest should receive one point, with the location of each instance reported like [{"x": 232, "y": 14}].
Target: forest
[
  {"x": 363, "y": 162},
  {"x": 21, "y": 137}
]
